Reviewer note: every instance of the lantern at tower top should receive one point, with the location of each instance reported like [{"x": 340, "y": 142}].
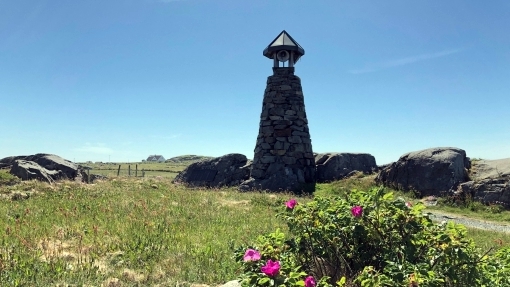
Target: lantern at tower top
[{"x": 284, "y": 48}]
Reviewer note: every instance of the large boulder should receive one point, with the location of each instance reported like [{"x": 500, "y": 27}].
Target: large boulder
[
  {"x": 54, "y": 162},
  {"x": 484, "y": 169},
  {"x": 227, "y": 170},
  {"x": 427, "y": 172},
  {"x": 335, "y": 166},
  {"x": 7, "y": 162},
  {"x": 28, "y": 170},
  {"x": 58, "y": 168},
  {"x": 48, "y": 161},
  {"x": 490, "y": 182}
]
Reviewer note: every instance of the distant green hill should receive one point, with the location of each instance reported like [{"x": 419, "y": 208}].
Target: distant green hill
[{"x": 190, "y": 158}]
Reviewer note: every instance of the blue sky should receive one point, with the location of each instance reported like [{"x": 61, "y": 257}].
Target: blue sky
[{"x": 120, "y": 80}]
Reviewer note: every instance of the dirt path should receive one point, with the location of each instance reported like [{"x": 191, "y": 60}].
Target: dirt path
[{"x": 469, "y": 222}]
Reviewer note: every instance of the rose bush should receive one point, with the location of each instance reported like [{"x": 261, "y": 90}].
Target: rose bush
[
  {"x": 357, "y": 211},
  {"x": 369, "y": 239},
  {"x": 291, "y": 203},
  {"x": 310, "y": 281},
  {"x": 271, "y": 269},
  {"x": 251, "y": 255}
]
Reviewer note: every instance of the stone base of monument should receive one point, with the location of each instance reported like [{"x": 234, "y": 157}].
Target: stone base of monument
[
  {"x": 283, "y": 157},
  {"x": 277, "y": 183}
]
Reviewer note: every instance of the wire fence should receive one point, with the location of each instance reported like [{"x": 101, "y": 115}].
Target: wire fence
[{"x": 134, "y": 171}]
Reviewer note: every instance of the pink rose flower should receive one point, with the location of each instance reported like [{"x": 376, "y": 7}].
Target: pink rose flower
[
  {"x": 271, "y": 268},
  {"x": 357, "y": 211},
  {"x": 310, "y": 281},
  {"x": 291, "y": 204},
  {"x": 251, "y": 255}
]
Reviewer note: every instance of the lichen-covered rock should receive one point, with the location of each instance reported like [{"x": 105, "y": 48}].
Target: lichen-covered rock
[
  {"x": 431, "y": 171},
  {"x": 484, "y": 169},
  {"x": 490, "y": 182},
  {"x": 335, "y": 166},
  {"x": 54, "y": 166},
  {"x": 7, "y": 162},
  {"x": 28, "y": 170},
  {"x": 227, "y": 170},
  {"x": 55, "y": 162}
]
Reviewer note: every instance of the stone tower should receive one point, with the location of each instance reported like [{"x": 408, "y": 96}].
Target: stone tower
[{"x": 283, "y": 157}]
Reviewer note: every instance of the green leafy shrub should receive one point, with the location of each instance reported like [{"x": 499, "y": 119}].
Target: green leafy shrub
[
  {"x": 495, "y": 208},
  {"x": 368, "y": 239}
]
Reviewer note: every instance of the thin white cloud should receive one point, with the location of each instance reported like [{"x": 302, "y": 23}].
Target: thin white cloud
[
  {"x": 98, "y": 148},
  {"x": 403, "y": 61}
]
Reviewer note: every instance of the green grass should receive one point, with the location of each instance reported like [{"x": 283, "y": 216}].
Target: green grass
[
  {"x": 6, "y": 178},
  {"x": 488, "y": 239},
  {"x": 360, "y": 182},
  {"x": 156, "y": 166},
  {"x": 167, "y": 170},
  {"x": 138, "y": 231},
  {"x": 124, "y": 173},
  {"x": 141, "y": 232}
]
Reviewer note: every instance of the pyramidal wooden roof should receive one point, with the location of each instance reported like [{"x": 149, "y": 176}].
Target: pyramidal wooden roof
[{"x": 284, "y": 42}]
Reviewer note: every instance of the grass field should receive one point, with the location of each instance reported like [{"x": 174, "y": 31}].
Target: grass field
[
  {"x": 146, "y": 169},
  {"x": 140, "y": 231},
  {"x": 174, "y": 165},
  {"x": 135, "y": 231}
]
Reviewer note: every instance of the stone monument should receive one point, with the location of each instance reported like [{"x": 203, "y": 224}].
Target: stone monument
[{"x": 283, "y": 159}]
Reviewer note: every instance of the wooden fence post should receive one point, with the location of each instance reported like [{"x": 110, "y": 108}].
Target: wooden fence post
[
  {"x": 129, "y": 170},
  {"x": 143, "y": 172},
  {"x": 118, "y": 171},
  {"x": 136, "y": 170}
]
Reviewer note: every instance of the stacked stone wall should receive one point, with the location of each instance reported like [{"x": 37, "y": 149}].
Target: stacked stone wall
[{"x": 283, "y": 157}]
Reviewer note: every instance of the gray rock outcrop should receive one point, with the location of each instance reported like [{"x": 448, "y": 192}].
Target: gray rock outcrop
[
  {"x": 484, "y": 169},
  {"x": 335, "y": 166},
  {"x": 7, "y": 162},
  {"x": 54, "y": 162},
  {"x": 28, "y": 170},
  {"x": 490, "y": 182},
  {"x": 227, "y": 170},
  {"x": 427, "y": 172},
  {"x": 45, "y": 167},
  {"x": 48, "y": 161}
]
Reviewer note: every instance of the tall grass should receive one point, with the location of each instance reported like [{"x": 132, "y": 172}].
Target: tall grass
[
  {"x": 139, "y": 232},
  {"x": 135, "y": 231}
]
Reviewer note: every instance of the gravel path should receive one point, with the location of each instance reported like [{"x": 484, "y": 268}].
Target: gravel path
[{"x": 469, "y": 222}]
